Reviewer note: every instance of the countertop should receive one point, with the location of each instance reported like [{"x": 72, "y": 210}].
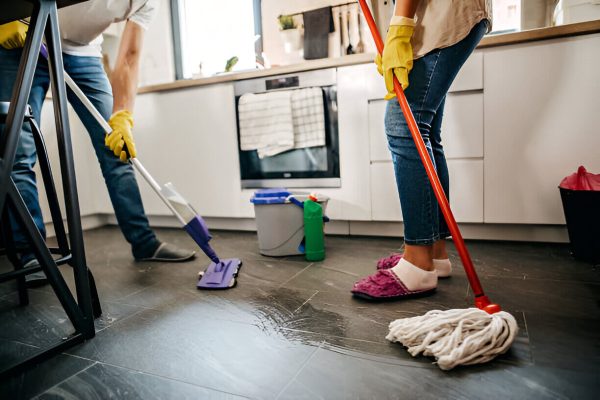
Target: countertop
[{"x": 581, "y": 28}]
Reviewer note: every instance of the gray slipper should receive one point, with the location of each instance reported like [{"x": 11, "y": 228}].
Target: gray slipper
[{"x": 169, "y": 253}]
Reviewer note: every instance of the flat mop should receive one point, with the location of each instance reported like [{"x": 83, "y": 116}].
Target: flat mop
[
  {"x": 453, "y": 337},
  {"x": 221, "y": 273}
]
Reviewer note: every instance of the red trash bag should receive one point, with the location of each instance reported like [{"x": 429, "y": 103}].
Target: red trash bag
[{"x": 580, "y": 193}]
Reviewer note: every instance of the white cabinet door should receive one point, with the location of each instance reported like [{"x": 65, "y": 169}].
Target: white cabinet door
[
  {"x": 470, "y": 76},
  {"x": 377, "y": 139},
  {"x": 466, "y": 191},
  {"x": 541, "y": 121},
  {"x": 462, "y": 125},
  {"x": 188, "y": 137},
  {"x": 384, "y": 193},
  {"x": 88, "y": 188}
]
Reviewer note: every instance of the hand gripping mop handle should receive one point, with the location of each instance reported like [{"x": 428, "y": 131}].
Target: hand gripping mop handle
[{"x": 481, "y": 300}]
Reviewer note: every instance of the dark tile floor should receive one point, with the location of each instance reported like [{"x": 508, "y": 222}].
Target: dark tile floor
[{"x": 291, "y": 330}]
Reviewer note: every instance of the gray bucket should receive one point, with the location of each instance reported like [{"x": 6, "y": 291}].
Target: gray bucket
[{"x": 280, "y": 224}]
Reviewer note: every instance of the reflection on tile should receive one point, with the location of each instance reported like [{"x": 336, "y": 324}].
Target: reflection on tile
[
  {"x": 184, "y": 343},
  {"x": 334, "y": 375},
  {"x": 102, "y": 381},
  {"x": 38, "y": 379}
]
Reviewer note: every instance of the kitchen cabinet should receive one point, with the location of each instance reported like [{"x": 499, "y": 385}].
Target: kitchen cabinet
[
  {"x": 462, "y": 137},
  {"x": 541, "y": 121},
  {"x": 90, "y": 185},
  {"x": 466, "y": 191},
  {"x": 188, "y": 137},
  {"x": 462, "y": 127}
]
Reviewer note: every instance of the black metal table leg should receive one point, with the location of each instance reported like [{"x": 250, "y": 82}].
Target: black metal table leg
[{"x": 81, "y": 313}]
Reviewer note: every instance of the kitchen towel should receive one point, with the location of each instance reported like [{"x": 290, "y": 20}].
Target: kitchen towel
[
  {"x": 317, "y": 25},
  {"x": 266, "y": 123},
  {"x": 308, "y": 115}
]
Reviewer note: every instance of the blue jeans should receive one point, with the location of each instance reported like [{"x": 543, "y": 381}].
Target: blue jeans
[
  {"x": 89, "y": 75},
  {"x": 429, "y": 82}
]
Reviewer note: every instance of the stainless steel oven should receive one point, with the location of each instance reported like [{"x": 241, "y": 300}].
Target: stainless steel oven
[{"x": 303, "y": 167}]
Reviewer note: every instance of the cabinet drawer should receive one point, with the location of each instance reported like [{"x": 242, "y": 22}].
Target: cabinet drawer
[
  {"x": 470, "y": 76},
  {"x": 466, "y": 191},
  {"x": 462, "y": 125},
  {"x": 385, "y": 202},
  {"x": 377, "y": 139}
]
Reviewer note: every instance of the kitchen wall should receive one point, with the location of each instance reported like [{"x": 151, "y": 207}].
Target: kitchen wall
[
  {"x": 271, "y": 9},
  {"x": 158, "y": 64},
  {"x": 157, "y": 60}
]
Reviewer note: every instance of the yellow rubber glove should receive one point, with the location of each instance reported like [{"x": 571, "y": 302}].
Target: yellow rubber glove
[
  {"x": 12, "y": 35},
  {"x": 120, "y": 140},
  {"x": 397, "y": 54}
]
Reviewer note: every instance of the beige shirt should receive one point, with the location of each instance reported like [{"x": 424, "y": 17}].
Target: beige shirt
[
  {"x": 442, "y": 23},
  {"x": 81, "y": 25}
]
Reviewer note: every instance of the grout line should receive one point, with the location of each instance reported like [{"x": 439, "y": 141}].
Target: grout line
[
  {"x": 66, "y": 379},
  {"x": 295, "y": 275},
  {"x": 304, "y": 364},
  {"x": 307, "y": 300}
]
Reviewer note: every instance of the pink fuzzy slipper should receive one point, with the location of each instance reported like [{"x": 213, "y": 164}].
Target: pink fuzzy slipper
[
  {"x": 389, "y": 261},
  {"x": 442, "y": 267},
  {"x": 385, "y": 285}
]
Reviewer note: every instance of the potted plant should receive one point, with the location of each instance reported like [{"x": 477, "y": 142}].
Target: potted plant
[{"x": 290, "y": 34}]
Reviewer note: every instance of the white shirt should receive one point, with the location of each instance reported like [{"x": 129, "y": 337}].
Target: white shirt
[{"x": 81, "y": 25}]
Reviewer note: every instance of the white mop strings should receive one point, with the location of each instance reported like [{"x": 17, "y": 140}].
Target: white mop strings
[{"x": 456, "y": 337}]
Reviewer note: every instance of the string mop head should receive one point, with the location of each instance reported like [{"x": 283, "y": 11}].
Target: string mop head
[{"x": 456, "y": 337}]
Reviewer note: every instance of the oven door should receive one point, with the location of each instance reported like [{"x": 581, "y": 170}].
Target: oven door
[{"x": 298, "y": 168}]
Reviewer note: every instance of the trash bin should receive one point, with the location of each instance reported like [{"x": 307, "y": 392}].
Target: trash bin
[
  {"x": 280, "y": 222},
  {"x": 580, "y": 194}
]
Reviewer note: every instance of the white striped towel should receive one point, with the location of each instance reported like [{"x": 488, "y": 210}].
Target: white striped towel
[
  {"x": 309, "y": 117},
  {"x": 266, "y": 123}
]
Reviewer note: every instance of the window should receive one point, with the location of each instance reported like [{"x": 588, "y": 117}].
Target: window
[
  {"x": 506, "y": 15},
  {"x": 208, "y": 33}
]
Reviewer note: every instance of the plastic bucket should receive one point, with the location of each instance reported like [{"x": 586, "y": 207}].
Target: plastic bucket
[
  {"x": 582, "y": 213},
  {"x": 279, "y": 222}
]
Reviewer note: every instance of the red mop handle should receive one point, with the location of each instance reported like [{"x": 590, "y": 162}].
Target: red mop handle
[{"x": 481, "y": 300}]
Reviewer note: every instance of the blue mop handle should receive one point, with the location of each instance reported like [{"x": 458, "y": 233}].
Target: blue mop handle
[{"x": 198, "y": 230}]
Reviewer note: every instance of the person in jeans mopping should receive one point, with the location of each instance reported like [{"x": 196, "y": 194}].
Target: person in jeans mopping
[
  {"x": 81, "y": 28},
  {"x": 427, "y": 43}
]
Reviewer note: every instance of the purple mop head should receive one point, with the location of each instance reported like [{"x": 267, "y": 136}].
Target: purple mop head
[{"x": 220, "y": 274}]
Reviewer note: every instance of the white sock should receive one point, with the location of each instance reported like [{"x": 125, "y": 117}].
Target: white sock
[
  {"x": 442, "y": 267},
  {"x": 413, "y": 277}
]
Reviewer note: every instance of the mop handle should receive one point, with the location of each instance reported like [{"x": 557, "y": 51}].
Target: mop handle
[
  {"x": 134, "y": 161},
  {"x": 480, "y": 299}
]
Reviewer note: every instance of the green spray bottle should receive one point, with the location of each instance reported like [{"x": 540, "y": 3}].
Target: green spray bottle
[{"x": 314, "y": 238}]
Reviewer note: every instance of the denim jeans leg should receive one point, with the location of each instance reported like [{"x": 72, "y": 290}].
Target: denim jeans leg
[
  {"x": 89, "y": 75},
  {"x": 26, "y": 156},
  {"x": 430, "y": 80}
]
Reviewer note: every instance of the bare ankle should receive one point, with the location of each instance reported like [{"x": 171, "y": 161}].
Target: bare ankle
[
  {"x": 439, "y": 250},
  {"x": 420, "y": 256}
]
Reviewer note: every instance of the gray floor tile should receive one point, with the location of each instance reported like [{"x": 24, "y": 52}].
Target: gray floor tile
[{"x": 102, "y": 381}]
